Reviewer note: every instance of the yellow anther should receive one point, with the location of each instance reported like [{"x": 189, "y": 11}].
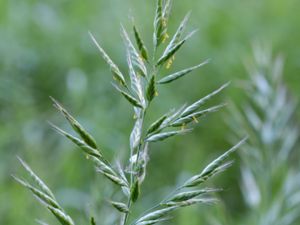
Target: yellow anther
[
  {"x": 164, "y": 22},
  {"x": 165, "y": 37},
  {"x": 170, "y": 61},
  {"x": 195, "y": 119}
]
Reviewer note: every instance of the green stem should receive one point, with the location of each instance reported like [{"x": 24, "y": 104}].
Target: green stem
[
  {"x": 133, "y": 166},
  {"x": 123, "y": 222},
  {"x": 139, "y": 149}
]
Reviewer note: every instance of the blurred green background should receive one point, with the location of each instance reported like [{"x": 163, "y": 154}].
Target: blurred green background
[{"x": 45, "y": 51}]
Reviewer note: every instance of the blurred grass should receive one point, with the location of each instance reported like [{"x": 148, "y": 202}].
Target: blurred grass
[{"x": 45, "y": 50}]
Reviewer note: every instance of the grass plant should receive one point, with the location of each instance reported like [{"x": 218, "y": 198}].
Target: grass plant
[
  {"x": 269, "y": 170},
  {"x": 140, "y": 87}
]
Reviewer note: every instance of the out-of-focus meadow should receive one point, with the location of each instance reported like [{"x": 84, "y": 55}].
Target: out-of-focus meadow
[{"x": 45, "y": 51}]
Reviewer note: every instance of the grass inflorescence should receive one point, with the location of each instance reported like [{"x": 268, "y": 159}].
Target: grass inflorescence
[{"x": 140, "y": 86}]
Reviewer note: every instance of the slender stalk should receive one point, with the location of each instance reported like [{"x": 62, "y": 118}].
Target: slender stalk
[{"x": 134, "y": 165}]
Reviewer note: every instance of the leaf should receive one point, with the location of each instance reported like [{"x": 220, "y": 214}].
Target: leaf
[
  {"x": 120, "y": 206},
  {"x": 135, "y": 57},
  {"x": 114, "y": 69},
  {"x": 165, "y": 135},
  {"x": 36, "y": 179},
  {"x": 141, "y": 46},
  {"x": 155, "y": 126},
  {"x": 61, "y": 216},
  {"x": 180, "y": 74},
  {"x": 213, "y": 168},
  {"x": 86, "y": 148},
  {"x": 157, "y": 214},
  {"x": 132, "y": 100},
  {"x": 192, "y": 108},
  {"x": 194, "y": 116},
  {"x": 136, "y": 133},
  {"x": 135, "y": 191},
  {"x": 88, "y": 139},
  {"x": 151, "y": 89}
]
